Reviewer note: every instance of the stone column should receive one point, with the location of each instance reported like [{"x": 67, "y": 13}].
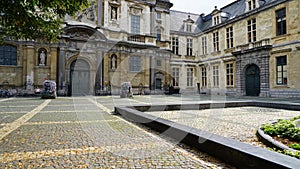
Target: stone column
[
  {"x": 53, "y": 62},
  {"x": 100, "y": 13},
  {"x": 30, "y": 54},
  {"x": 152, "y": 73},
  {"x": 61, "y": 69}
]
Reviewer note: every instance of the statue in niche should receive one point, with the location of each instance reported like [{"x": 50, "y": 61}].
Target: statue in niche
[
  {"x": 114, "y": 13},
  {"x": 42, "y": 58},
  {"x": 114, "y": 62}
]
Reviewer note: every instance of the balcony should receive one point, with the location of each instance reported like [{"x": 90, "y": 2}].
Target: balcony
[
  {"x": 136, "y": 38},
  {"x": 254, "y": 45}
]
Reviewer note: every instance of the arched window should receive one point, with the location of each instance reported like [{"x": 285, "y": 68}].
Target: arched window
[
  {"x": 42, "y": 58},
  {"x": 8, "y": 55},
  {"x": 113, "y": 62}
]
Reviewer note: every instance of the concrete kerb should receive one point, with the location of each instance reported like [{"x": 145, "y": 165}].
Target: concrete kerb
[{"x": 228, "y": 150}]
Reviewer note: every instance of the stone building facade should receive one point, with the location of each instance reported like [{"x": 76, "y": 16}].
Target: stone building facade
[{"x": 249, "y": 47}]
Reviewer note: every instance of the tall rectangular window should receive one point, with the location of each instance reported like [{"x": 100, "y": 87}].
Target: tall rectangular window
[
  {"x": 216, "y": 41},
  {"x": 252, "y": 30},
  {"x": 175, "y": 73},
  {"x": 135, "y": 24},
  {"x": 158, "y": 16},
  {"x": 281, "y": 70},
  {"x": 158, "y": 34},
  {"x": 281, "y": 22},
  {"x": 135, "y": 63},
  {"x": 204, "y": 45},
  {"x": 204, "y": 77},
  {"x": 175, "y": 45},
  {"x": 8, "y": 55},
  {"x": 189, "y": 47},
  {"x": 190, "y": 75},
  {"x": 229, "y": 37},
  {"x": 229, "y": 75},
  {"x": 216, "y": 76}
]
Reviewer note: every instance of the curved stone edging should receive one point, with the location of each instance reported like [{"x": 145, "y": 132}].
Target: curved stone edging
[{"x": 268, "y": 140}]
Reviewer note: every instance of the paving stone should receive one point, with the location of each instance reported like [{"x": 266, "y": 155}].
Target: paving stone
[{"x": 66, "y": 136}]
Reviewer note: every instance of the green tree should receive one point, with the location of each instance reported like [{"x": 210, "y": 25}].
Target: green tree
[{"x": 36, "y": 19}]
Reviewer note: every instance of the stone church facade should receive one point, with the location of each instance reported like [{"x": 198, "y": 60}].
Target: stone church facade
[{"x": 249, "y": 47}]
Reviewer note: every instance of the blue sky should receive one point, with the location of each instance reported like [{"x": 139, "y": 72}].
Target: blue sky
[{"x": 198, "y": 6}]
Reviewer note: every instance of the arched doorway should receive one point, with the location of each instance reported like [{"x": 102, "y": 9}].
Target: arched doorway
[
  {"x": 80, "y": 77},
  {"x": 252, "y": 80},
  {"x": 158, "y": 80}
]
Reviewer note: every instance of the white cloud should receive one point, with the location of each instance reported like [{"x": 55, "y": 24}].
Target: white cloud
[{"x": 198, "y": 6}]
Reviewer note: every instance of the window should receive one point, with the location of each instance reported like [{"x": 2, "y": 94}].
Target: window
[
  {"x": 216, "y": 76},
  {"x": 158, "y": 35},
  {"x": 204, "y": 45},
  {"x": 189, "y": 28},
  {"x": 229, "y": 37},
  {"x": 204, "y": 77},
  {"x": 251, "y": 4},
  {"x": 190, "y": 75},
  {"x": 175, "y": 44},
  {"x": 280, "y": 22},
  {"x": 252, "y": 30},
  {"x": 113, "y": 62},
  {"x": 158, "y": 63},
  {"x": 175, "y": 73},
  {"x": 216, "y": 20},
  {"x": 229, "y": 75},
  {"x": 216, "y": 41},
  {"x": 8, "y": 55},
  {"x": 189, "y": 47},
  {"x": 135, "y": 24},
  {"x": 135, "y": 64},
  {"x": 281, "y": 70},
  {"x": 158, "y": 16}
]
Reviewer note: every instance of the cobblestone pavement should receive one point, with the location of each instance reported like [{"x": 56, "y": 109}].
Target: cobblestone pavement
[
  {"x": 80, "y": 132},
  {"x": 237, "y": 123}
]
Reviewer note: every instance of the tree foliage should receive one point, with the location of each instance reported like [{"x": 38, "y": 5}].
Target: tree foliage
[{"x": 35, "y": 19}]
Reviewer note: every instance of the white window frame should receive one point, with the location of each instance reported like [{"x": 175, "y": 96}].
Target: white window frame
[
  {"x": 189, "y": 47},
  {"x": 216, "y": 82},
  {"x": 135, "y": 24},
  {"x": 190, "y": 77}
]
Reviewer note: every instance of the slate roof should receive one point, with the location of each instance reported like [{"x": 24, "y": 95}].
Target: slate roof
[{"x": 204, "y": 22}]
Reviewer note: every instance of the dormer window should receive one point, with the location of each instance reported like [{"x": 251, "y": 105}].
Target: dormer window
[
  {"x": 216, "y": 20},
  {"x": 188, "y": 24},
  {"x": 251, "y": 4},
  {"x": 216, "y": 16},
  {"x": 189, "y": 28}
]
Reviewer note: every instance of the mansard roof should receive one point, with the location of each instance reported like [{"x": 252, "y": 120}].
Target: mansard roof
[{"x": 204, "y": 22}]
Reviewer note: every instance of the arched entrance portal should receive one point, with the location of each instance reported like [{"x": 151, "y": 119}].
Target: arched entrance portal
[
  {"x": 252, "y": 81},
  {"x": 158, "y": 80},
  {"x": 80, "y": 77}
]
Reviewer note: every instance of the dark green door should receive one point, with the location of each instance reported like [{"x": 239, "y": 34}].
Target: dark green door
[
  {"x": 80, "y": 78},
  {"x": 252, "y": 81}
]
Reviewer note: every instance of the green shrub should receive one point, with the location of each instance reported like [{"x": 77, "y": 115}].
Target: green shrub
[
  {"x": 283, "y": 128},
  {"x": 295, "y": 146}
]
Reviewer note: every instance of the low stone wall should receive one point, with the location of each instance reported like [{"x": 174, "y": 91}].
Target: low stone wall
[
  {"x": 228, "y": 150},
  {"x": 285, "y": 93}
]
